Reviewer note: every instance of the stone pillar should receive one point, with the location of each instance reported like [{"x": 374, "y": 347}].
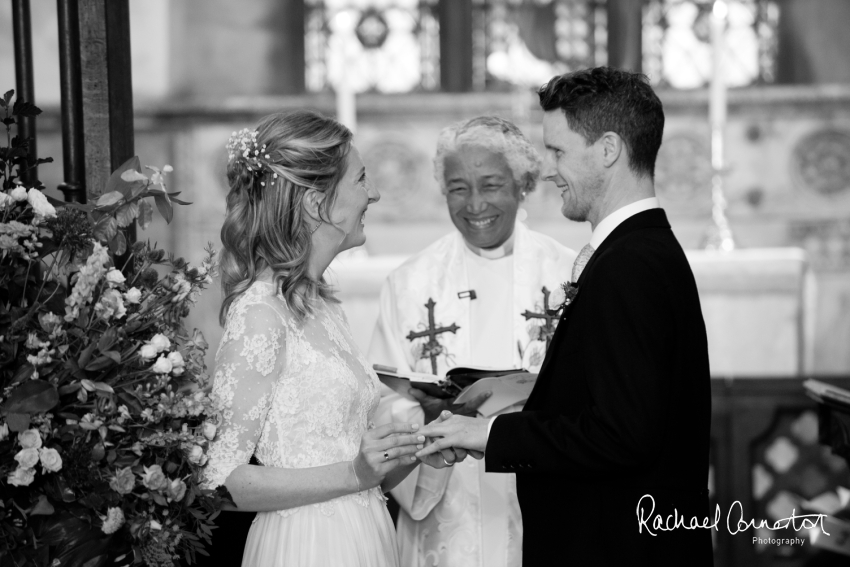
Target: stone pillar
[
  {"x": 107, "y": 87},
  {"x": 455, "y": 45},
  {"x": 625, "y": 22},
  {"x": 813, "y": 42}
]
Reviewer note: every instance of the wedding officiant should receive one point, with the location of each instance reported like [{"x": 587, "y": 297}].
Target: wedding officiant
[{"x": 482, "y": 278}]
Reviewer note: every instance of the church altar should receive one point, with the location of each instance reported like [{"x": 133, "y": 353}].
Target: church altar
[{"x": 757, "y": 304}]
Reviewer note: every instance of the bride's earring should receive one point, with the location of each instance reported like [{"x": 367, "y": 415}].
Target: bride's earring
[{"x": 312, "y": 232}]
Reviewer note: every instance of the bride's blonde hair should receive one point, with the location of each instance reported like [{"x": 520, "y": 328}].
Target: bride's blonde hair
[{"x": 265, "y": 227}]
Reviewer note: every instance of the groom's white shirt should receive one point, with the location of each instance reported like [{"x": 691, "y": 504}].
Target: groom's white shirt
[{"x": 603, "y": 229}]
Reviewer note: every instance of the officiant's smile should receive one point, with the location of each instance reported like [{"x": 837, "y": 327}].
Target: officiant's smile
[{"x": 482, "y": 195}]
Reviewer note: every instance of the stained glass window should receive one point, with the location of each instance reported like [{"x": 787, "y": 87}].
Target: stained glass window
[
  {"x": 677, "y": 50},
  {"x": 526, "y": 42},
  {"x": 386, "y": 46}
]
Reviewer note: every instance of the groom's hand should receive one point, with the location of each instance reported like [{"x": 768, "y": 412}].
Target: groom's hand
[
  {"x": 434, "y": 403},
  {"x": 455, "y": 431}
]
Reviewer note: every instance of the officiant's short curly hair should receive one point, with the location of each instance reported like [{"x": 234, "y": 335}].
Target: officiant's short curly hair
[
  {"x": 604, "y": 99},
  {"x": 497, "y": 135}
]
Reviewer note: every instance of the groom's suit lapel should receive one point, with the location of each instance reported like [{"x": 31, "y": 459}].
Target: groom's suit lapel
[{"x": 652, "y": 218}]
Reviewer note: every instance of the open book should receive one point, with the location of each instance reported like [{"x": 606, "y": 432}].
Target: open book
[
  {"x": 508, "y": 386},
  {"x": 828, "y": 394}
]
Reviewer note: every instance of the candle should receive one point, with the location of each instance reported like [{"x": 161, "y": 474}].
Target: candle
[
  {"x": 346, "y": 104},
  {"x": 717, "y": 97}
]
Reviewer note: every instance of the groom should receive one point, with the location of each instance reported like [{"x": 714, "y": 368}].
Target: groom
[{"x": 616, "y": 431}]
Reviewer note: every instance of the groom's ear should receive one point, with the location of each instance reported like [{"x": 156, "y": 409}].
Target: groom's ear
[{"x": 612, "y": 148}]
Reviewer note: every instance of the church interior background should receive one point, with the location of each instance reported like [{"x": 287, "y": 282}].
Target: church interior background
[{"x": 777, "y": 307}]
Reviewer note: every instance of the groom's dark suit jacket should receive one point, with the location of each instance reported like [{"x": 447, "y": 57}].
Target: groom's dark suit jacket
[{"x": 621, "y": 409}]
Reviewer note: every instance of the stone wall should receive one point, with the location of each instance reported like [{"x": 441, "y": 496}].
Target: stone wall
[{"x": 788, "y": 182}]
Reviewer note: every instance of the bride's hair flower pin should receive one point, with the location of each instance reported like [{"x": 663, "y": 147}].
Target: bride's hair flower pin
[{"x": 242, "y": 145}]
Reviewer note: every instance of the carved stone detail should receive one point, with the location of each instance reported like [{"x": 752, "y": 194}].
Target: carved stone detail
[
  {"x": 821, "y": 162},
  {"x": 683, "y": 172}
]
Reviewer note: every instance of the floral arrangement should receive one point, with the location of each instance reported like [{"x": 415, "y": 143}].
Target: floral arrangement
[{"x": 104, "y": 416}]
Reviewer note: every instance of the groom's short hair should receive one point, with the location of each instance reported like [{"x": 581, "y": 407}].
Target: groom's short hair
[{"x": 604, "y": 99}]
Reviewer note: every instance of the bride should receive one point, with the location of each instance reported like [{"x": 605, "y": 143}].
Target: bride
[{"x": 293, "y": 388}]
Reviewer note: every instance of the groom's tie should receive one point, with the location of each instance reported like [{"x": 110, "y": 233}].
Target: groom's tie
[{"x": 581, "y": 261}]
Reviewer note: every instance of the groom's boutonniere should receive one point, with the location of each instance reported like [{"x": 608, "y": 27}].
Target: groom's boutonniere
[{"x": 570, "y": 291}]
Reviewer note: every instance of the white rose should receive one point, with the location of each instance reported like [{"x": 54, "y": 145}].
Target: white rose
[
  {"x": 176, "y": 489},
  {"x": 115, "y": 277},
  {"x": 30, "y": 439},
  {"x": 557, "y": 298},
  {"x": 27, "y": 458},
  {"x": 209, "y": 431},
  {"x": 147, "y": 352},
  {"x": 114, "y": 520},
  {"x": 50, "y": 460},
  {"x": 21, "y": 477},
  {"x": 161, "y": 342},
  {"x": 196, "y": 455},
  {"x": 39, "y": 204},
  {"x": 5, "y": 200},
  {"x": 162, "y": 365},
  {"x": 19, "y": 193},
  {"x": 133, "y": 295},
  {"x": 153, "y": 478},
  {"x": 4, "y": 432},
  {"x": 176, "y": 359}
]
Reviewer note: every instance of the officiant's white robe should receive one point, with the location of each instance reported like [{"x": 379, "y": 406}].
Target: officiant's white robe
[{"x": 462, "y": 516}]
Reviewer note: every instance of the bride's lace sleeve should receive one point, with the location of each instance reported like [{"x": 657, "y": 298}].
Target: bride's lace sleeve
[{"x": 248, "y": 364}]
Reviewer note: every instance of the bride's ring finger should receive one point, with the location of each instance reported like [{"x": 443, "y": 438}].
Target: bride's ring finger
[{"x": 386, "y": 456}]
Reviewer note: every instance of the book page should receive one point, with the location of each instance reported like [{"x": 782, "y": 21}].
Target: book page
[{"x": 507, "y": 390}]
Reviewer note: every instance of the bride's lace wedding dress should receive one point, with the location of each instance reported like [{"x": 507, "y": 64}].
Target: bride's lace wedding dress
[{"x": 298, "y": 395}]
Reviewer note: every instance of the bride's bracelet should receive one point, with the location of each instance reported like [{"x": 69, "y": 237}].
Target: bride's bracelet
[{"x": 354, "y": 470}]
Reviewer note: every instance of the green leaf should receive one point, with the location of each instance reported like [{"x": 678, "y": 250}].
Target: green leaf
[
  {"x": 99, "y": 363},
  {"x": 127, "y": 213},
  {"x": 163, "y": 203},
  {"x": 118, "y": 244},
  {"x": 33, "y": 396},
  {"x": 18, "y": 421},
  {"x": 145, "y": 214},
  {"x": 115, "y": 182},
  {"x": 22, "y": 108},
  {"x": 109, "y": 198},
  {"x": 116, "y": 357},
  {"x": 98, "y": 452},
  {"x": 7, "y": 97},
  {"x": 106, "y": 230},
  {"x": 43, "y": 507},
  {"x": 107, "y": 339},
  {"x": 86, "y": 355},
  {"x": 23, "y": 373}
]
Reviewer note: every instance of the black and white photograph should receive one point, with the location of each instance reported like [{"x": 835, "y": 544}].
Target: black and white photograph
[{"x": 424, "y": 283}]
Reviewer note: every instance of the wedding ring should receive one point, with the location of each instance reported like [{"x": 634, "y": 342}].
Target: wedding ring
[
  {"x": 448, "y": 464},
  {"x": 386, "y": 456}
]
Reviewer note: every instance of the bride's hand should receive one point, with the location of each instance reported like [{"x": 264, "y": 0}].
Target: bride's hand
[
  {"x": 384, "y": 448},
  {"x": 446, "y": 457}
]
